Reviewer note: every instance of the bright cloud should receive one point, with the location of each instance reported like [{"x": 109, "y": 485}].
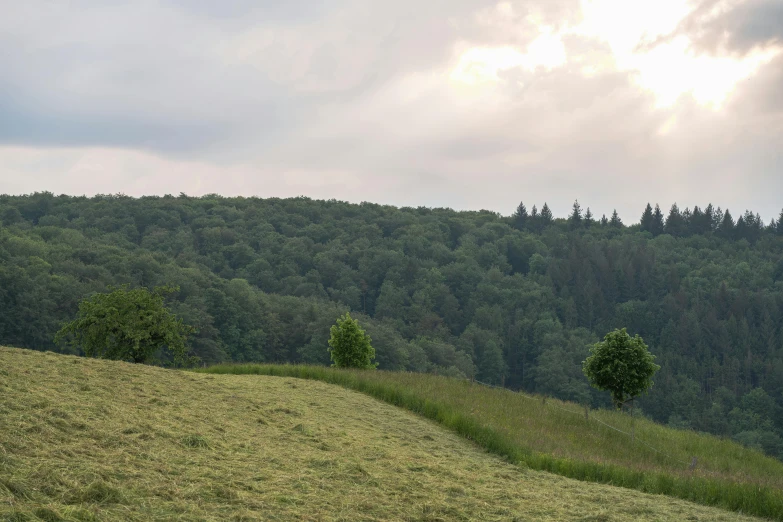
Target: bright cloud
[
  {"x": 462, "y": 103},
  {"x": 669, "y": 69},
  {"x": 482, "y": 64},
  {"x": 672, "y": 68}
]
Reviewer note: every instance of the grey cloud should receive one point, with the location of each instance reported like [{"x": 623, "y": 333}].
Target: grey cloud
[
  {"x": 179, "y": 75},
  {"x": 748, "y": 24},
  {"x": 304, "y": 96}
]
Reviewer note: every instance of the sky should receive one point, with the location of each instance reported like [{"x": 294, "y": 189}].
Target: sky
[{"x": 465, "y": 104}]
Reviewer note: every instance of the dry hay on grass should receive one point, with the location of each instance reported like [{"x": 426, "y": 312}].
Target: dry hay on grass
[{"x": 83, "y": 439}]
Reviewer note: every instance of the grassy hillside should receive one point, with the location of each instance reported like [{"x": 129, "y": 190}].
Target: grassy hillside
[
  {"x": 555, "y": 436},
  {"x": 83, "y": 439}
]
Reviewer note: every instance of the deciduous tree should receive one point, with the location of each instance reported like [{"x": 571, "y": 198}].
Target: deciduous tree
[
  {"x": 350, "y": 346},
  {"x": 128, "y": 325}
]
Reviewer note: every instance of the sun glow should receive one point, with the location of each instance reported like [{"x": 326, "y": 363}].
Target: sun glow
[
  {"x": 482, "y": 64},
  {"x": 637, "y": 34}
]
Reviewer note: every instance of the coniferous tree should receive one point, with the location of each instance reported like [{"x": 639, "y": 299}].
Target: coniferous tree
[
  {"x": 780, "y": 224},
  {"x": 657, "y": 224},
  {"x": 535, "y": 220},
  {"x": 741, "y": 228},
  {"x": 647, "y": 219},
  {"x": 546, "y": 216},
  {"x": 615, "y": 222},
  {"x": 575, "y": 219},
  {"x": 687, "y": 215},
  {"x": 675, "y": 223},
  {"x": 755, "y": 226},
  {"x": 717, "y": 219},
  {"x": 696, "y": 221},
  {"x": 726, "y": 229},
  {"x": 588, "y": 218},
  {"x": 604, "y": 221},
  {"x": 709, "y": 218},
  {"x": 520, "y": 217}
]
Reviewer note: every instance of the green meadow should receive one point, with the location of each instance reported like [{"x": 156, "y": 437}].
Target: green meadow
[
  {"x": 551, "y": 435},
  {"x": 88, "y": 440}
]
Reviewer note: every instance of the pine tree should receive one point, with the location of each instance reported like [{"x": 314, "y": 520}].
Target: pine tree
[
  {"x": 717, "y": 219},
  {"x": 709, "y": 218},
  {"x": 588, "y": 218},
  {"x": 615, "y": 222},
  {"x": 741, "y": 229},
  {"x": 780, "y": 224},
  {"x": 520, "y": 217},
  {"x": 575, "y": 220},
  {"x": 535, "y": 220},
  {"x": 604, "y": 221},
  {"x": 696, "y": 221},
  {"x": 546, "y": 216},
  {"x": 657, "y": 224},
  {"x": 647, "y": 219},
  {"x": 674, "y": 222},
  {"x": 726, "y": 228}
]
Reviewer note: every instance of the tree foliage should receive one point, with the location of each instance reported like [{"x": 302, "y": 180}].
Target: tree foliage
[
  {"x": 621, "y": 365},
  {"x": 127, "y": 325},
  {"x": 440, "y": 291},
  {"x": 350, "y": 346}
]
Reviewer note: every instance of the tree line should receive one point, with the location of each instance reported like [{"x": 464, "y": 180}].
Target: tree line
[{"x": 510, "y": 300}]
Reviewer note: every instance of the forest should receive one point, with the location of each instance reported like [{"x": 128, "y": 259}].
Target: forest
[{"x": 508, "y": 300}]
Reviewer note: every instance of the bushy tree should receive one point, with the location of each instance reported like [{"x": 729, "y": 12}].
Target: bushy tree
[
  {"x": 127, "y": 325},
  {"x": 350, "y": 346},
  {"x": 621, "y": 365}
]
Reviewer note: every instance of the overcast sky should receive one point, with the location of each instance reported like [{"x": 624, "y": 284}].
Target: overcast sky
[{"x": 467, "y": 104}]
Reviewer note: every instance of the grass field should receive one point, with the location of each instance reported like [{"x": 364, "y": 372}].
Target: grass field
[
  {"x": 556, "y": 437},
  {"x": 84, "y": 440}
]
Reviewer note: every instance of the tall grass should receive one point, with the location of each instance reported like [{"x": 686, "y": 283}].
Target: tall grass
[{"x": 549, "y": 438}]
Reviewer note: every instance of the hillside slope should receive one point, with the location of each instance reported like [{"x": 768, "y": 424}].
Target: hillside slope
[
  {"x": 83, "y": 439},
  {"x": 512, "y": 302}
]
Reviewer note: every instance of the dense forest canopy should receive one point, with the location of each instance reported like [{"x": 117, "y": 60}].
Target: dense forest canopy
[{"x": 509, "y": 300}]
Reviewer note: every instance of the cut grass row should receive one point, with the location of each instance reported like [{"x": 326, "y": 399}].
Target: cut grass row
[{"x": 545, "y": 437}]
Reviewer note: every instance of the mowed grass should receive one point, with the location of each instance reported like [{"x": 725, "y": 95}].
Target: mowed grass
[
  {"x": 83, "y": 439},
  {"x": 555, "y": 436}
]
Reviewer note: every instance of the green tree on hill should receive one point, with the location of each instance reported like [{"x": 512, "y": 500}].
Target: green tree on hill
[
  {"x": 621, "y": 365},
  {"x": 127, "y": 325},
  {"x": 350, "y": 346}
]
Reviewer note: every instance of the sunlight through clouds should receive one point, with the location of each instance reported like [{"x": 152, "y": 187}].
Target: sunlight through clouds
[
  {"x": 636, "y": 32},
  {"x": 482, "y": 64},
  {"x": 668, "y": 69}
]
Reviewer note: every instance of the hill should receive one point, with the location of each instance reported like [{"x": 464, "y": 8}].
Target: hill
[
  {"x": 546, "y": 434},
  {"x": 511, "y": 300},
  {"x": 84, "y": 439}
]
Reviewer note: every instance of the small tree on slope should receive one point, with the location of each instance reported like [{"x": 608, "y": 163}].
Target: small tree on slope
[
  {"x": 350, "y": 346},
  {"x": 622, "y": 366}
]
